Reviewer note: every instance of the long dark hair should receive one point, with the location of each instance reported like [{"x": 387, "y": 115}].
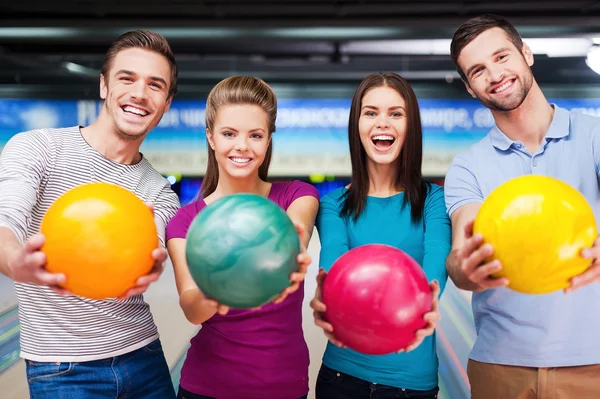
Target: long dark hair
[
  {"x": 238, "y": 90},
  {"x": 411, "y": 155}
]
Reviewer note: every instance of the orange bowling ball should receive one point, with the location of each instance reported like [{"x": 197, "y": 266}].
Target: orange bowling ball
[{"x": 101, "y": 237}]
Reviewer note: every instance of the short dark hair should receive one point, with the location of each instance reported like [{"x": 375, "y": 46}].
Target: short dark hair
[
  {"x": 146, "y": 40},
  {"x": 469, "y": 30}
]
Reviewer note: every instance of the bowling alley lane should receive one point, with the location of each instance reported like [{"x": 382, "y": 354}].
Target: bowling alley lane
[{"x": 455, "y": 335}]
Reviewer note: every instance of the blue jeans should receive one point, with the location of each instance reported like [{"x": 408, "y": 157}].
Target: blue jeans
[
  {"x": 183, "y": 394},
  {"x": 332, "y": 384},
  {"x": 139, "y": 374}
]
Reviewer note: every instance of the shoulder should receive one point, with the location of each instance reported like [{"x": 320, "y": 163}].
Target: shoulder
[
  {"x": 334, "y": 199},
  {"x": 435, "y": 195},
  {"x": 583, "y": 123},
  {"x": 285, "y": 193}
]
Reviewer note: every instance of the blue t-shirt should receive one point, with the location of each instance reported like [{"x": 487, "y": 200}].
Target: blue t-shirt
[
  {"x": 384, "y": 221},
  {"x": 549, "y": 330}
]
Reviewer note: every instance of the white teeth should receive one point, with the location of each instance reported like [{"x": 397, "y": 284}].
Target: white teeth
[
  {"x": 240, "y": 160},
  {"x": 503, "y": 87},
  {"x": 383, "y": 137},
  {"x": 134, "y": 110}
]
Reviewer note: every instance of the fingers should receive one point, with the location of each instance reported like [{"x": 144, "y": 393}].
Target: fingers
[
  {"x": 473, "y": 256},
  {"x": 35, "y": 259},
  {"x": 321, "y": 277},
  {"x": 222, "y": 310},
  {"x": 469, "y": 229},
  {"x": 592, "y": 274},
  {"x": 435, "y": 288},
  {"x": 159, "y": 255},
  {"x": 297, "y": 277},
  {"x": 317, "y": 305},
  {"x": 482, "y": 276},
  {"x": 139, "y": 290},
  {"x": 42, "y": 277},
  {"x": 34, "y": 243}
]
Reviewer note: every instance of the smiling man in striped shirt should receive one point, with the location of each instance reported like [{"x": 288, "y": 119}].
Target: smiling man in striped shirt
[{"x": 76, "y": 347}]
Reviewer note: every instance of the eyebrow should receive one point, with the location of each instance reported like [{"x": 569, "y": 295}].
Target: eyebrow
[
  {"x": 374, "y": 107},
  {"x": 131, "y": 73},
  {"x": 495, "y": 53},
  {"x": 258, "y": 129}
]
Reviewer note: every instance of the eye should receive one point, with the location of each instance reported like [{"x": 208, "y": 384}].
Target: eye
[
  {"x": 396, "y": 114},
  {"x": 476, "y": 72},
  {"x": 503, "y": 57},
  {"x": 370, "y": 113},
  {"x": 156, "y": 85},
  {"x": 257, "y": 136},
  {"x": 126, "y": 79},
  {"x": 227, "y": 134}
]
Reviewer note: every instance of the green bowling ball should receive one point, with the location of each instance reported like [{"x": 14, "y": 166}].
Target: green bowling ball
[{"x": 241, "y": 250}]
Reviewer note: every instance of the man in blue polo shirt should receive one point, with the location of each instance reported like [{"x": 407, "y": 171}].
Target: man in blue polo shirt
[{"x": 528, "y": 346}]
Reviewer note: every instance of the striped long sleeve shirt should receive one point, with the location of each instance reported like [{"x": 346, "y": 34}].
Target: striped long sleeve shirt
[{"x": 36, "y": 168}]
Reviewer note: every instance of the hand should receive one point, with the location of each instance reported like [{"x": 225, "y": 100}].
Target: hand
[
  {"x": 471, "y": 256},
  {"x": 160, "y": 256},
  {"x": 303, "y": 260},
  {"x": 592, "y": 274},
  {"x": 219, "y": 308},
  {"x": 431, "y": 318},
  {"x": 319, "y": 309},
  {"x": 27, "y": 265}
]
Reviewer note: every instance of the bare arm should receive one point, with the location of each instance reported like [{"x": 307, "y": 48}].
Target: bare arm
[
  {"x": 196, "y": 307},
  {"x": 464, "y": 264},
  {"x": 303, "y": 211}
]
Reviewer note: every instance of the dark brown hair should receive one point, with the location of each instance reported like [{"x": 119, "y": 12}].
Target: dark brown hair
[
  {"x": 238, "y": 90},
  {"x": 146, "y": 40},
  {"x": 469, "y": 30},
  {"x": 410, "y": 158}
]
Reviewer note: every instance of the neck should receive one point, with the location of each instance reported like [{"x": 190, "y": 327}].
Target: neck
[
  {"x": 104, "y": 137},
  {"x": 529, "y": 122},
  {"x": 252, "y": 185},
  {"x": 382, "y": 179}
]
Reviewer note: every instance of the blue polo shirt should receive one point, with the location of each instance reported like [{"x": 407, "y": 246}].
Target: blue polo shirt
[{"x": 549, "y": 330}]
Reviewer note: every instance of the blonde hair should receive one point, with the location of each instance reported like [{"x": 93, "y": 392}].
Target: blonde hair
[{"x": 238, "y": 90}]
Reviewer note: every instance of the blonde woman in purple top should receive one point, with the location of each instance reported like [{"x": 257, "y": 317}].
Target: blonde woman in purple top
[{"x": 250, "y": 354}]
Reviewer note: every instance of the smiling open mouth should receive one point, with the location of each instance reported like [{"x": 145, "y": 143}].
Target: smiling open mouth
[
  {"x": 240, "y": 160},
  {"x": 504, "y": 87},
  {"x": 383, "y": 141},
  {"x": 134, "y": 111}
]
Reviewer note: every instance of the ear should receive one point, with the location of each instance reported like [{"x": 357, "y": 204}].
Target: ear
[
  {"x": 527, "y": 54},
  {"x": 471, "y": 92},
  {"x": 168, "y": 104},
  {"x": 211, "y": 139},
  {"x": 103, "y": 87}
]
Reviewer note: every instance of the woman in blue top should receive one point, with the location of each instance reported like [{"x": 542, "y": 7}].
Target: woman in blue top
[{"x": 387, "y": 202}]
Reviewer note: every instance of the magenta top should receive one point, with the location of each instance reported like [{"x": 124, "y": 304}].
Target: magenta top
[{"x": 249, "y": 354}]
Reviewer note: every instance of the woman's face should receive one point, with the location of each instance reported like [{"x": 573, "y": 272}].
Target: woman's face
[
  {"x": 382, "y": 124},
  {"x": 240, "y": 139}
]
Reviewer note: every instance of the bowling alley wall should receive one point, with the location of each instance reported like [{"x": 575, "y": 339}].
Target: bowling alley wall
[{"x": 310, "y": 142}]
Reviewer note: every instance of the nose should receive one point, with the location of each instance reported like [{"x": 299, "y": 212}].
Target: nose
[
  {"x": 138, "y": 91},
  {"x": 241, "y": 144},
  {"x": 496, "y": 73},
  {"x": 382, "y": 121}
]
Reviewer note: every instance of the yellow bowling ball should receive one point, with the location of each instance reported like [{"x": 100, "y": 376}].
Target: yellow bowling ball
[{"x": 538, "y": 226}]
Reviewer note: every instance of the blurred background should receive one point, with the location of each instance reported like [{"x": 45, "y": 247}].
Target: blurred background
[{"x": 314, "y": 54}]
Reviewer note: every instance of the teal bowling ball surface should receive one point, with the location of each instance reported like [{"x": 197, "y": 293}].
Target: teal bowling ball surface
[{"x": 241, "y": 250}]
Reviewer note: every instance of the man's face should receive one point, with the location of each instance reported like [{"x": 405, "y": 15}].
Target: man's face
[
  {"x": 136, "y": 92},
  {"x": 497, "y": 73}
]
